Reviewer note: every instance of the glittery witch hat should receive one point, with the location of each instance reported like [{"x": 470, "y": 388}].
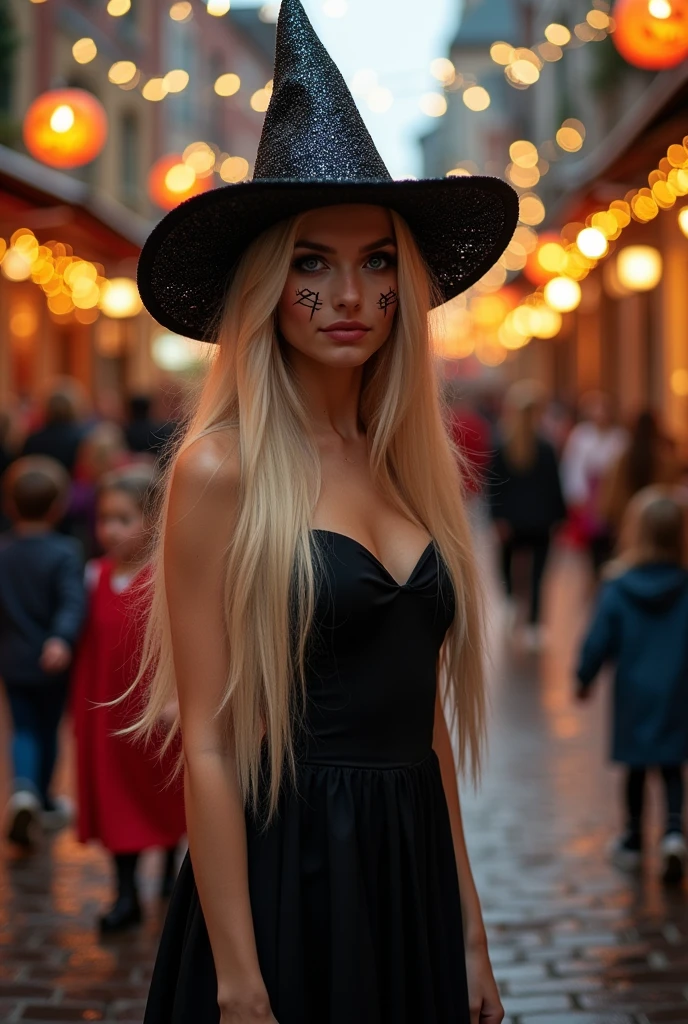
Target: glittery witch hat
[{"x": 314, "y": 151}]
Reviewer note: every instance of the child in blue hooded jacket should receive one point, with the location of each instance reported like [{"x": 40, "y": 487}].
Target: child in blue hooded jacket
[{"x": 641, "y": 627}]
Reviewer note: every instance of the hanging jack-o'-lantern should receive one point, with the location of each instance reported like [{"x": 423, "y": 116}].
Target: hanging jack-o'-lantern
[
  {"x": 65, "y": 128},
  {"x": 171, "y": 181},
  {"x": 651, "y": 34}
]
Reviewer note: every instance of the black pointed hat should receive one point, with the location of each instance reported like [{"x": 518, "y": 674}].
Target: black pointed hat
[{"x": 314, "y": 151}]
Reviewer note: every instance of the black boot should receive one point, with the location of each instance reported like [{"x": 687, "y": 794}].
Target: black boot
[
  {"x": 126, "y": 910},
  {"x": 169, "y": 873}
]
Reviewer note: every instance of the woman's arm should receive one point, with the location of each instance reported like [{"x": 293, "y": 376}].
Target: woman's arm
[
  {"x": 200, "y": 520},
  {"x": 485, "y": 1004}
]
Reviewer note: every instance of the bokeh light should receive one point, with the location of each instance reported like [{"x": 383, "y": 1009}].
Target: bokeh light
[
  {"x": 557, "y": 34},
  {"x": 65, "y": 128},
  {"x": 227, "y": 85},
  {"x": 679, "y": 383},
  {"x": 234, "y": 169},
  {"x": 154, "y": 90},
  {"x": 176, "y": 80},
  {"x": 433, "y": 104},
  {"x": 84, "y": 50},
  {"x": 122, "y": 71},
  {"x": 476, "y": 98},
  {"x": 117, "y": 8},
  {"x": 592, "y": 243},
  {"x": 181, "y": 11},
  {"x": 531, "y": 209},
  {"x": 380, "y": 99},
  {"x": 443, "y": 70},
  {"x": 120, "y": 298},
  {"x": 683, "y": 220},
  {"x": 639, "y": 267},
  {"x": 562, "y": 294},
  {"x": 218, "y": 7},
  {"x": 502, "y": 53}
]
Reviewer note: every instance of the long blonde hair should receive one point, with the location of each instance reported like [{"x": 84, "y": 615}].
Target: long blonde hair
[{"x": 271, "y": 575}]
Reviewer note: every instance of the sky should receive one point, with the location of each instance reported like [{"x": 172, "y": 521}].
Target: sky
[{"x": 397, "y": 39}]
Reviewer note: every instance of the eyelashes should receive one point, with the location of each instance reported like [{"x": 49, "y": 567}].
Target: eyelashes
[{"x": 300, "y": 263}]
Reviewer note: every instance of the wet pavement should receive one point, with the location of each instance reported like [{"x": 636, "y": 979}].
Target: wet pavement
[{"x": 573, "y": 940}]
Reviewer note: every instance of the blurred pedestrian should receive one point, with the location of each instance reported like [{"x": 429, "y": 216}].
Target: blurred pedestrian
[
  {"x": 42, "y": 608},
  {"x": 593, "y": 446},
  {"x": 63, "y": 427},
  {"x": 649, "y": 458},
  {"x": 525, "y": 496},
  {"x": 641, "y": 627},
  {"x": 103, "y": 450},
  {"x": 126, "y": 800},
  {"x": 144, "y": 433}
]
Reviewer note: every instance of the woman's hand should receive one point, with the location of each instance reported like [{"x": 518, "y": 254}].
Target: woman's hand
[
  {"x": 483, "y": 995},
  {"x": 251, "y": 1006}
]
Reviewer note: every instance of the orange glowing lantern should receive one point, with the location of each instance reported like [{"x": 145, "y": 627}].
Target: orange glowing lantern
[
  {"x": 542, "y": 263},
  {"x": 171, "y": 181},
  {"x": 648, "y": 41},
  {"x": 65, "y": 128}
]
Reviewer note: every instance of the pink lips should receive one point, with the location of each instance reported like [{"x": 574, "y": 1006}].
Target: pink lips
[{"x": 346, "y": 331}]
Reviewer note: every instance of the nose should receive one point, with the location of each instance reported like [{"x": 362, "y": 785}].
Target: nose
[{"x": 347, "y": 296}]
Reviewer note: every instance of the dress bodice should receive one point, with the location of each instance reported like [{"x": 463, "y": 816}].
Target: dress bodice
[{"x": 371, "y": 670}]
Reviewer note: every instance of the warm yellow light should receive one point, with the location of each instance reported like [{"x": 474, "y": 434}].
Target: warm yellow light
[
  {"x": 200, "y": 157},
  {"x": 260, "y": 101},
  {"x": 227, "y": 85},
  {"x": 557, "y": 34},
  {"x": 502, "y": 53},
  {"x": 62, "y": 118},
  {"x": 599, "y": 20},
  {"x": 218, "y": 7},
  {"x": 269, "y": 13},
  {"x": 476, "y": 98},
  {"x": 569, "y": 139},
  {"x": 120, "y": 298},
  {"x": 234, "y": 168},
  {"x": 524, "y": 71},
  {"x": 510, "y": 334},
  {"x": 85, "y": 293},
  {"x": 16, "y": 266},
  {"x": 180, "y": 178},
  {"x": 639, "y": 267},
  {"x": 84, "y": 50},
  {"x": 550, "y": 52},
  {"x": 118, "y": 7},
  {"x": 679, "y": 383},
  {"x": 683, "y": 220},
  {"x": 443, "y": 70},
  {"x": 523, "y": 153},
  {"x": 677, "y": 155},
  {"x": 176, "y": 81},
  {"x": 531, "y": 210},
  {"x": 592, "y": 243},
  {"x": 661, "y": 9},
  {"x": 459, "y": 172},
  {"x": 523, "y": 177},
  {"x": 433, "y": 104},
  {"x": 492, "y": 281},
  {"x": 154, "y": 90},
  {"x": 545, "y": 322},
  {"x": 562, "y": 294},
  {"x": 489, "y": 311},
  {"x": 121, "y": 72},
  {"x": 380, "y": 99},
  {"x": 23, "y": 320},
  {"x": 181, "y": 11}
]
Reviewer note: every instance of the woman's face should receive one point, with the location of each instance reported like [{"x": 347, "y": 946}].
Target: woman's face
[{"x": 340, "y": 297}]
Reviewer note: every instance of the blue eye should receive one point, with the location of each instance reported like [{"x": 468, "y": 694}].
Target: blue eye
[
  {"x": 309, "y": 263},
  {"x": 380, "y": 261}
]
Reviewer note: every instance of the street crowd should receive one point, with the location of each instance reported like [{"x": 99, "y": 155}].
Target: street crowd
[{"x": 81, "y": 492}]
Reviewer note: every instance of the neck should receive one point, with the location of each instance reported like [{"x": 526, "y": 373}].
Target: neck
[
  {"x": 29, "y": 527},
  {"x": 331, "y": 395}
]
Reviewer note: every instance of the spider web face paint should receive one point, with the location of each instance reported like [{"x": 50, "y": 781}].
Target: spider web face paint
[
  {"x": 309, "y": 299},
  {"x": 387, "y": 299}
]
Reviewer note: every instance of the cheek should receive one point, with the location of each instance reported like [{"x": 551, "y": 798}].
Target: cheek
[
  {"x": 385, "y": 300},
  {"x": 298, "y": 307}
]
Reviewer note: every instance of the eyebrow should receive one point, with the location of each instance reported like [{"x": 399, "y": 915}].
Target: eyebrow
[{"x": 304, "y": 243}]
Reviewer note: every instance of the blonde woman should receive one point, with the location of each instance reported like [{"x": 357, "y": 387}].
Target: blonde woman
[{"x": 315, "y": 582}]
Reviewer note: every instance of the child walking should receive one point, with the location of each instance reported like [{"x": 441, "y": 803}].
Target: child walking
[
  {"x": 641, "y": 626},
  {"x": 126, "y": 799},
  {"x": 42, "y": 606}
]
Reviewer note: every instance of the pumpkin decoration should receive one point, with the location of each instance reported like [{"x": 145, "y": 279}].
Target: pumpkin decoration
[
  {"x": 651, "y": 42},
  {"x": 65, "y": 128},
  {"x": 171, "y": 181}
]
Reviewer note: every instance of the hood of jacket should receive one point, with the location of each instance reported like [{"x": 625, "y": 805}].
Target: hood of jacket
[{"x": 654, "y": 586}]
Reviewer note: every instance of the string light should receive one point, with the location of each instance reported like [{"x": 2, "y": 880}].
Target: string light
[
  {"x": 182, "y": 11},
  {"x": 217, "y": 7},
  {"x": 433, "y": 104},
  {"x": 683, "y": 220},
  {"x": 117, "y": 8},
  {"x": 227, "y": 85},
  {"x": 476, "y": 98},
  {"x": 443, "y": 70},
  {"x": 176, "y": 81},
  {"x": 122, "y": 71},
  {"x": 84, "y": 50}
]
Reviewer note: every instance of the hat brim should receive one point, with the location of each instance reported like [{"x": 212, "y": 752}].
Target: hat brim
[{"x": 462, "y": 226}]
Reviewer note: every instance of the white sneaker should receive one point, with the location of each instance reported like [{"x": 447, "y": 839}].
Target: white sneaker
[
  {"x": 22, "y": 818},
  {"x": 674, "y": 855},
  {"x": 60, "y": 814}
]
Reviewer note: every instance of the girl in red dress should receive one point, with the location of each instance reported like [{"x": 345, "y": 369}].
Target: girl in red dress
[{"x": 126, "y": 799}]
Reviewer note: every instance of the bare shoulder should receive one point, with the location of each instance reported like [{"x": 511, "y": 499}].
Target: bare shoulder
[{"x": 204, "y": 491}]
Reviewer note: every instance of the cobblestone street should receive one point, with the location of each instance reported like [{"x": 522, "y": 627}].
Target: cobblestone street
[{"x": 573, "y": 940}]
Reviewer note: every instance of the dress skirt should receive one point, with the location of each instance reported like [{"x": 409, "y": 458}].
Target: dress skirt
[{"x": 355, "y": 903}]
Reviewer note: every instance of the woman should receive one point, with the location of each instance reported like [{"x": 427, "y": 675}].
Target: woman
[
  {"x": 315, "y": 579},
  {"x": 525, "y": 494}
]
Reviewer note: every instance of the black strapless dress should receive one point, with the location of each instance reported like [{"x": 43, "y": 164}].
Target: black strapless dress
[{"x": 353, "y": 886}]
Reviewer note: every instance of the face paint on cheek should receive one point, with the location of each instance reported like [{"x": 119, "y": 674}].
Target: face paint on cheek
[
  {"x": 309, "y": 299},
  {"x": 387, "y": 299}
]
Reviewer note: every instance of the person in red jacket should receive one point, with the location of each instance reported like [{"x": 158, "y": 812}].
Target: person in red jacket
[{"x": 126, "y": 798}]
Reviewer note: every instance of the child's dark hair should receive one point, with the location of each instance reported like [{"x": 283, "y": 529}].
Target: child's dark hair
[
  {"x": 141, "y": 482},
  {"x": 33, "y": 486},
  {"x": 658, "y": 521}
]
